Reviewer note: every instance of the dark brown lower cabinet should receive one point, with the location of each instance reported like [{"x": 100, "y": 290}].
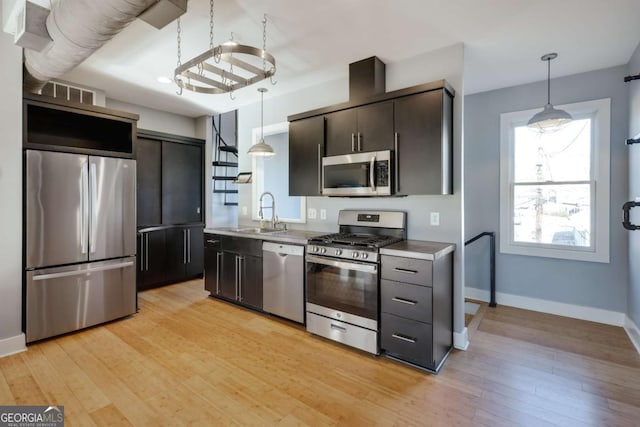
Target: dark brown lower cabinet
[
  {"x": 169, "y": 255},
  {"x": 416, "y": 302},
  {"x": 233, "y": 269}
]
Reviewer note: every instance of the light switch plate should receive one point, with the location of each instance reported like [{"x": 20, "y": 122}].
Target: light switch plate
[
  {"x": 435, "y": 218},
  {"x": 323, "y": 214},
  {"x": 312, "y": 213},
  {"x": 244, "y": 211}
]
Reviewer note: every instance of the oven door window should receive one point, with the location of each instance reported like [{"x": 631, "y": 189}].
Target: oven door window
[
  {"x": 344, "y": 289},
  {"x": 351, "y": 175}
]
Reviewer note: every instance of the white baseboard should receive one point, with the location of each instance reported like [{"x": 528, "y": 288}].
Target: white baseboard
[
  {"x": 633, "y": 331},
  {"x": 461, "y": 339},
  {"x": 551, "y": 307},
  {"x": 12, "y": 345}
]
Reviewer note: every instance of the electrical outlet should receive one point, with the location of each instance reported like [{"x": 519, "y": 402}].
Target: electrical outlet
[
  {"x": 323, "y": 214},
  {"x": 435, "y": 218},
  {"x": 311, "y": 213},
  {"x": 244, "y": 211}
]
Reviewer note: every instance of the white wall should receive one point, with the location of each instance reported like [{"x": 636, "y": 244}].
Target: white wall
[
  {"x": 159, "y": 121},
  {"x": 11, "y": 337},
  {"x": 446, "y": 64}
]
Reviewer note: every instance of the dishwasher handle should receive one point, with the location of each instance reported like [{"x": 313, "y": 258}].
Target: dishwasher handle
[{"x": 282, "y": 249}]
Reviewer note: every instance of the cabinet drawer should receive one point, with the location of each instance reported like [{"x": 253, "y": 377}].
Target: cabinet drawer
[
  {"x": 354, "y": 336},
  {"x": 242, "y": 245},
  {"x": 407, "y": 339},
  {"x": 212, "y": 241},
  {"x": 405, "y": 300},
  {"x": 416, "y": 271}
]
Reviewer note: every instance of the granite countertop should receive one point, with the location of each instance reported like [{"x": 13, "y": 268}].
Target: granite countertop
[
  {"x": 300, "y": 237},
  {"x": 419, "y": 249}
]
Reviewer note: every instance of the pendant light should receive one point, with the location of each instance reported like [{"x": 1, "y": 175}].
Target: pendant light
[
  {"x": 549, "y": 118},
  {"x": 261, "y": 148}
]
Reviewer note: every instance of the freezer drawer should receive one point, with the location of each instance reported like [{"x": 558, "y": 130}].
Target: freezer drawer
[{"x": 66, "y": 299}]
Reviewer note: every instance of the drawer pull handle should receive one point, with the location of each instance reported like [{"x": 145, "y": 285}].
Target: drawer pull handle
[
  {"x": 404, "y": 301},
  {"x": 403, "y": 338},
  {"x": 213, "y": 241},
  {"x": 339, "y": 328},
  {"x": 404, "y": 270}
]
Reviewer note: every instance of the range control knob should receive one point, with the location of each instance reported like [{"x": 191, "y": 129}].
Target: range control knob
[
  {"x": 365, "y": 255},
  {"x": 323, "y": 250},
  {"x": 316, "y": 249},
  {"x": 338, "y": 252},
  {"x": 355, "y": 254}
]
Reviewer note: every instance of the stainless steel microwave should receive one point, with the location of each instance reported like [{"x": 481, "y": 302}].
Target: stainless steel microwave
[{"x": 360, "y": 174}]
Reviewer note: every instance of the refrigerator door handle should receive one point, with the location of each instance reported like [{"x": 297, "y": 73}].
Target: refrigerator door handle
[
  {"x": 94, "y": 207},
  {"x": 80, "y": 272},
  {"x": 84, "y": 223}
]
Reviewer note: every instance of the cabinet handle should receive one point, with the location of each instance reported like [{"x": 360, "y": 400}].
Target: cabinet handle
[
  {"x": 141, "y": 254},
  {"x": 403, "y": 338},
  {"x": 359, "y": 141},
  {"x": 339, "y": 328},
  {"x": 218, "y": 268},
  {"x": 146, "y": 253},
  {"x": 237, "y": 273},
  {"x": 404, "y": 270},
  {"x": 353, "y": 142},
  {"x": 404, "y": 301},
  {"x": 189, "y": 245},
  {"x": 184, "y": 246},
  {"x": 396, "y": 162},
  {"x": 319, "y": 170},
  {"x": 213, "y": 241},
  {"x": 240, "y": 263}
]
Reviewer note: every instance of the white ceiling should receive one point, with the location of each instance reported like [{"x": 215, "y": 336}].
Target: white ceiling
[{"x": 314, "y": 41}]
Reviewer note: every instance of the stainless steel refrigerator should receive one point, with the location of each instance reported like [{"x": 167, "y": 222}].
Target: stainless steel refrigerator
[{"x": 80, "y": 241}]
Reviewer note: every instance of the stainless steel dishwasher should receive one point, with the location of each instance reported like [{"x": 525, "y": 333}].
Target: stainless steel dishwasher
[{"x": 283, "y": 280}]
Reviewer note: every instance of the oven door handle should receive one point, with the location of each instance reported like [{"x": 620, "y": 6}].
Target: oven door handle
[{"x": 367, "y": 268}]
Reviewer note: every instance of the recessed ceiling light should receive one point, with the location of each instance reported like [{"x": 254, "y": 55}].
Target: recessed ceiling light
[{"x": 163, "y": 79}]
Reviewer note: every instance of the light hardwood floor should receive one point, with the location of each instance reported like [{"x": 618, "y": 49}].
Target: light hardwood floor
[{"x": 186, "y": 359}]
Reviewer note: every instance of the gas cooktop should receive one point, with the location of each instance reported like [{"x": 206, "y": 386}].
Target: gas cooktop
[{"x": 360, "y": 240}]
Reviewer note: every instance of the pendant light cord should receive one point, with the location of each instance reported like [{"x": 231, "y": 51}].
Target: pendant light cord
[
  {"x": 261, "y": 116},
  {"x": 549, "y": 81}
]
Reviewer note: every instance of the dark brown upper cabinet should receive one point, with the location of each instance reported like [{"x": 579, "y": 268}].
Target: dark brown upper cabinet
[
  {"x": 365, "y": 128},
  {"x": 424, "y": 143},
  {"x": 306, "y": 148},
  {"x": 416, "y": 123}
]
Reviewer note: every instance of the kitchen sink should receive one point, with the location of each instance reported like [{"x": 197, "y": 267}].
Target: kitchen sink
[{"x": 258, "y": 230}]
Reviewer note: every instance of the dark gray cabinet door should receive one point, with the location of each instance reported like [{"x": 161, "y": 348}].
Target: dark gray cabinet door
[
  {"x": 181, "y": 183},
  {"x": 424, "y": 143},
  {"x": 306, "y": 148},
  {"x": 341, "y": 130},
  {"x": 361, "y": 129},
  {"x": 212, "y": 261},
  {"x": 250, "y": 281},
  {"x": 149, "y": 182},
  {"x": 195, "y": 254},
  {"x": 176, "y": 259},
  {"x": 375, "y": 127},
  {"x": 153, "y": 259},
  {"x": 228, "y": 271}
]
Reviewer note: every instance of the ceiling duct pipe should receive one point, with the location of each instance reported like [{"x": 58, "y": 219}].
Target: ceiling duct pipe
[{"x": 77, "y": 29}]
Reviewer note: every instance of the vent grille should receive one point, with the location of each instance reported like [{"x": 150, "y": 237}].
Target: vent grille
[{"x": 69, "y": 93}]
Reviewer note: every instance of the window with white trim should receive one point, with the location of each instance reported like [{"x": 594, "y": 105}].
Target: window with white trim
[{"x": 554, "y": 186}]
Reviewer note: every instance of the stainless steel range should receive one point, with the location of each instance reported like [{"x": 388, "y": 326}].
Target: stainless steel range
[{"x": 343, "y": 277}]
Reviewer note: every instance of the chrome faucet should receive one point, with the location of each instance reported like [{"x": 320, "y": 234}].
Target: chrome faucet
[{"x": 274, "y": 218}]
